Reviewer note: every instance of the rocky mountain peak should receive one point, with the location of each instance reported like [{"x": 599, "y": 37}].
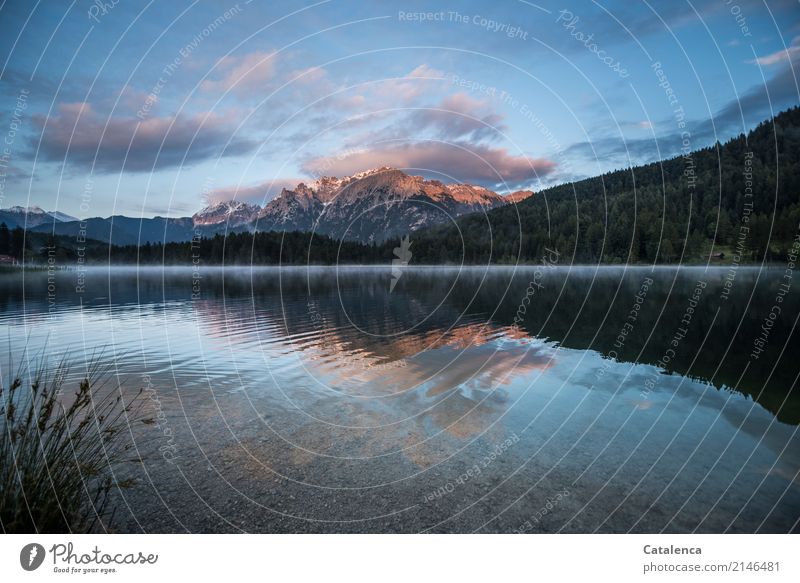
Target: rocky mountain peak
[
  {"x": 230, "y": 212},
  {"x": 27, "y": 210},
  {"x": 368, "y": 206}
]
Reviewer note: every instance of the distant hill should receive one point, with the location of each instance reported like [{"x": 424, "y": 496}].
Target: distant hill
[
  {"x": 30, "y": 217},
  {"x": 121, "y": 230}
]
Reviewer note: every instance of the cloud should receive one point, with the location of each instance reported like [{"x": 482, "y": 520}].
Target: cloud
[
  {"x": 342, "y": 109},
  {"x": 459, "y": 116},
  {"x": 254, "y": 194},
  {"x": 423, "y": 71},
  {"x": 174, "y": 209},
  {"x": 756, "y": 104},
  {"x": 243, "y": 74},
  {"x": 626, "y": 21},
  {"x": 782, "y": 56},
  {"x": 407, "y": 88},
  {"x": 309, "y": 76},
  {"x": 759, "y": 102},
  {"x": 460, "y": 161},
  {"x": 131, "y": 100},
  {"x": 12, "y": 173},
  {"x": 87, "y": 139}
]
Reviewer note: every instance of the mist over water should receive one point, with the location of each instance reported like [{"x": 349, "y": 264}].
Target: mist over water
[{"x": 519, "y": 399}]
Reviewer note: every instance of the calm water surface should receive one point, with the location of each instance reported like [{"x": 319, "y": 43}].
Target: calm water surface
[{"x": 535, "y": 400}]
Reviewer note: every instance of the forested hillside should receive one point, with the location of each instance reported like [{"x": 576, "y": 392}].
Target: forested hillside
[{"x": 741, "y": 196}]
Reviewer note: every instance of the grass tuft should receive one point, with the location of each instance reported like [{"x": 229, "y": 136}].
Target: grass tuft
[{"x": 58, "y": 450}]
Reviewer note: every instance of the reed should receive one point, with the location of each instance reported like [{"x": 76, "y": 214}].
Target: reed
[{"x": 58, "y": 450}]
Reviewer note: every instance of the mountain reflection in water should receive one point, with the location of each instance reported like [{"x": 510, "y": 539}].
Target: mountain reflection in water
[{"x": 323, "y": 398}]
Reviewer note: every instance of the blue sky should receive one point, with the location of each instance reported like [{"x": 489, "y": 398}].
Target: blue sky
[{"x": 145, "y": 108}]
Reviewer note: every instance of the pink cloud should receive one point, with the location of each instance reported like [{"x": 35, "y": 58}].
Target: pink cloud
[
  {"x": 253, "y": 194},
  {"x": 424, "y": 71},
  {"x": 463, "y": 162},
  {"x": 83, "y": 137},
  {"x": 311, "y": 75},
  {"x": 411, "y": 85},
  {"x": 243, "y": 73},
  {"x": 781, "y": 56},
  {"x": 458, "y": 116}
]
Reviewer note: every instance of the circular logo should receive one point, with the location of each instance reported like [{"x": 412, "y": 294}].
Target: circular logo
[{"x": 31, "y": 556}]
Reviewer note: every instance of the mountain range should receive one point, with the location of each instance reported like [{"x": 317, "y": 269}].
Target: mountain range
[
  {"x": 732, "y": 202},
  {"x": 369, "y": 207},
  {"x": 31, "y": 217}
]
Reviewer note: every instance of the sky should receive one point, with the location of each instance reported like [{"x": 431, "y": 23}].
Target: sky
[{"x": 161, "y": 108}]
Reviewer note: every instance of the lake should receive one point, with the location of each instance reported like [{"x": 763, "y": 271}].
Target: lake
[{"x": 536, "y": 399}]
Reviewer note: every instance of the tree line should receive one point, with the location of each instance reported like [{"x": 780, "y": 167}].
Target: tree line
[
  {"x": 12, "y": 242},
  {"x": 263, "y": 248},
  {"x": 740, "y": 198}
]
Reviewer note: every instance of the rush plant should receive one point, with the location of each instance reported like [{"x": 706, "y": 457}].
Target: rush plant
[{"x": 58, "y": 448}]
